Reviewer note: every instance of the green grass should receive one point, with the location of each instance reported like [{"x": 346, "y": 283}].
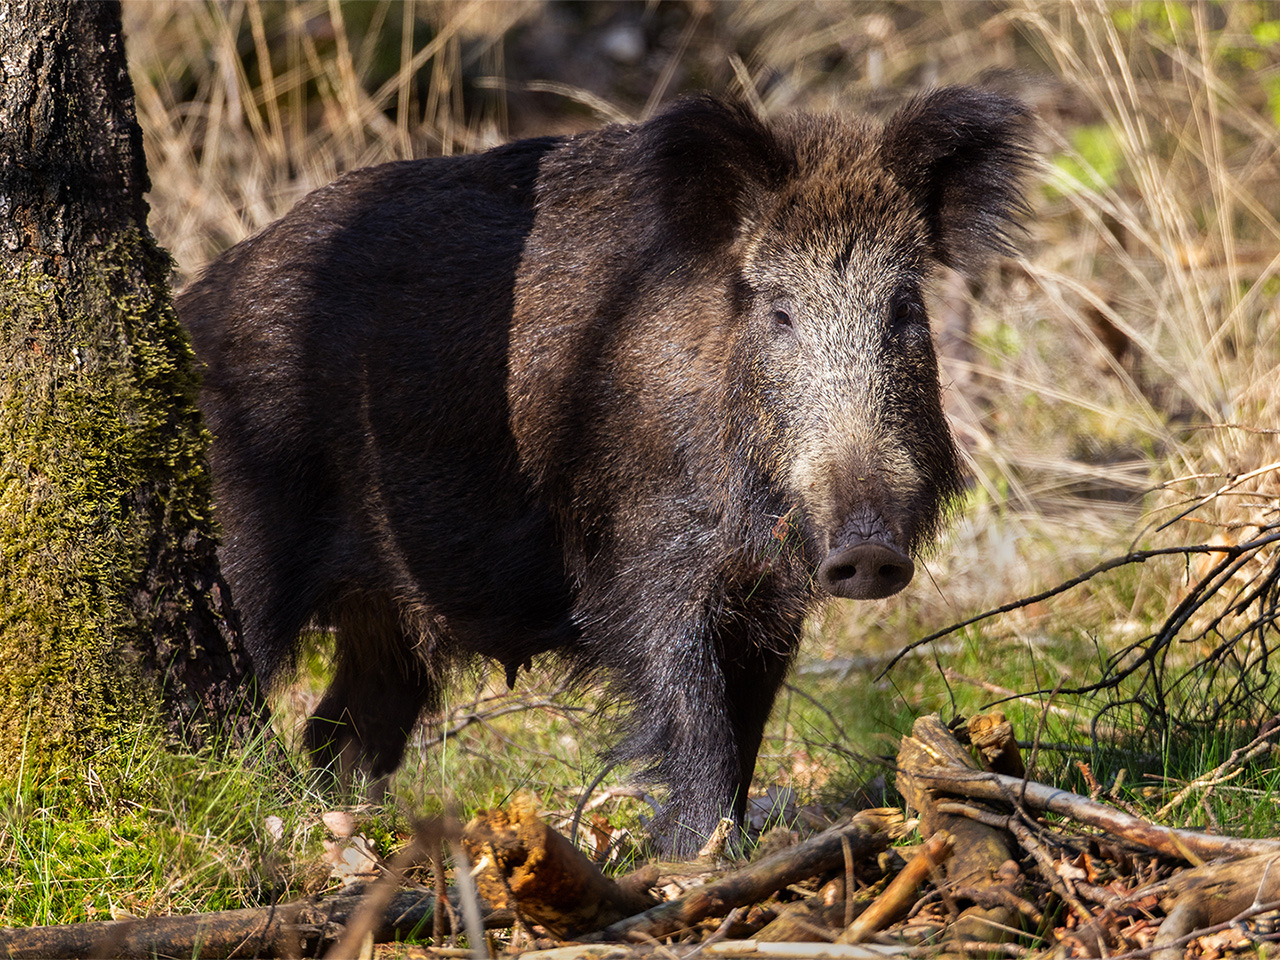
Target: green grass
[
  {"x": 170, "y": 832},
  {"x": 164, "y": 834}
]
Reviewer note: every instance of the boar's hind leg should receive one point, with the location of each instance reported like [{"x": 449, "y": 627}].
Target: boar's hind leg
[{"x": 380, "y": 687}]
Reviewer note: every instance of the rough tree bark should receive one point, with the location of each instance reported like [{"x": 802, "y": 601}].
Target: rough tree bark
[{"x": 112, "y": 607}]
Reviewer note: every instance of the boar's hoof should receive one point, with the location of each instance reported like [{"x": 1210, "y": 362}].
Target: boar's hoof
[{"x": 865, "y": 570}]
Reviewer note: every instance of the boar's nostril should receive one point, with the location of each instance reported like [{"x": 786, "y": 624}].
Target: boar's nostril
[{"x": 865, "y": 571}]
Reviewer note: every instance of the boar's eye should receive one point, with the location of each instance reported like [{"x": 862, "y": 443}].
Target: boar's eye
[
  {"x": 906, "y": 309},
  {"x": 781, "y": 315}
]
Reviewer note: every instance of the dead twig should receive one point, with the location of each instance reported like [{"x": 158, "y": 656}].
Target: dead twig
[
  {"x": 1135, "y": 556},
  {"x": 898, "y": 897},
  {"x": 471, "y": 713},
  {"x": 1006, "y": 694},
  {"x": 1062, "y": 886},
  {"x": 1182, "y": 940}
]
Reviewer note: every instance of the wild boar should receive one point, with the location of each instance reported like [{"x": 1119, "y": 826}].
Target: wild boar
[{"x": 639, "y": 399}]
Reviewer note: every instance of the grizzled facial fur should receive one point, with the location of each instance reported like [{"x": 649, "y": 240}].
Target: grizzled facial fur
[
  {"x": 635, "y": 399},
  {"x": 836, "y": 356}
]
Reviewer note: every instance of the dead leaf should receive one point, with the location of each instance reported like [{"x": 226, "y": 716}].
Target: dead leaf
[
  {"x": 340, "y": 823},
  {"x": 352, "y": 860}
]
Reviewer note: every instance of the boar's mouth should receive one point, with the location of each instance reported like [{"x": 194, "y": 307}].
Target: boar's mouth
[{"x": 863, "y": 569}]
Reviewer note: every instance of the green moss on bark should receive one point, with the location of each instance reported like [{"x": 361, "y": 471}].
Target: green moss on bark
[{"x": 102, "y": 476}]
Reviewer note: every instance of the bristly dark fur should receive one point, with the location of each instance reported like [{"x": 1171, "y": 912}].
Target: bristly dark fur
[
  {"x": 709, "y": 166},
  {"x": 625, "y": 397}
]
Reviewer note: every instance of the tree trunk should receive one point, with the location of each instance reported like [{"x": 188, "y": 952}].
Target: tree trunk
[{"x": 113, "y": 612}]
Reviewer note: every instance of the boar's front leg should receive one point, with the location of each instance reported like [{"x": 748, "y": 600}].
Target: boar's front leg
[{"x": 702, "y": 702}]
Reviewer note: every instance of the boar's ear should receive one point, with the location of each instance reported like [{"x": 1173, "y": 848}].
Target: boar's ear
[
  {"x": 963, "y": 152},
  {"x": 709, "y": 165}
]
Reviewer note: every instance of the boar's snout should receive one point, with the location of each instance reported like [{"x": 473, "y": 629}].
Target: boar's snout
[{"x": 865, "y": 570}]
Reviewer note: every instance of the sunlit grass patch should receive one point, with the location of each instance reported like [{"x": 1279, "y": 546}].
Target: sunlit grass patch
[{"x": 166, "y": 833}]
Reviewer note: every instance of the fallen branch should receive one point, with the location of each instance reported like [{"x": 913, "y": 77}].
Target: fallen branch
[
  {"x": 1188, "y": 845},
  {"x": 286, "y": 930},
  {"x": 863, "y": 835},
  {"x": 900, "y": 895}
]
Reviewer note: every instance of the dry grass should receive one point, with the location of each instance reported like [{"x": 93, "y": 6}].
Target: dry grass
[
  {"x": 247, "y": 106},
  {"x": 1157, "y": 268}
]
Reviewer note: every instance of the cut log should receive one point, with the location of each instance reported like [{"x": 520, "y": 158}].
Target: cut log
[
  {"x": 979, "y": 850},
  {"x": 1214, "y": 894}
]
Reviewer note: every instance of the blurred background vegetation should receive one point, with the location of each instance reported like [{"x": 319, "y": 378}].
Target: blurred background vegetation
[{"x": 1115, "y": 388}]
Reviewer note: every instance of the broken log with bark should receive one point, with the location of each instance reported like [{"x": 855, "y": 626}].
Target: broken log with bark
[
  {"x": 524, "y": 864},
  {"x": 981, "y": 852},
  {"x": 1213, "y": 894}
]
